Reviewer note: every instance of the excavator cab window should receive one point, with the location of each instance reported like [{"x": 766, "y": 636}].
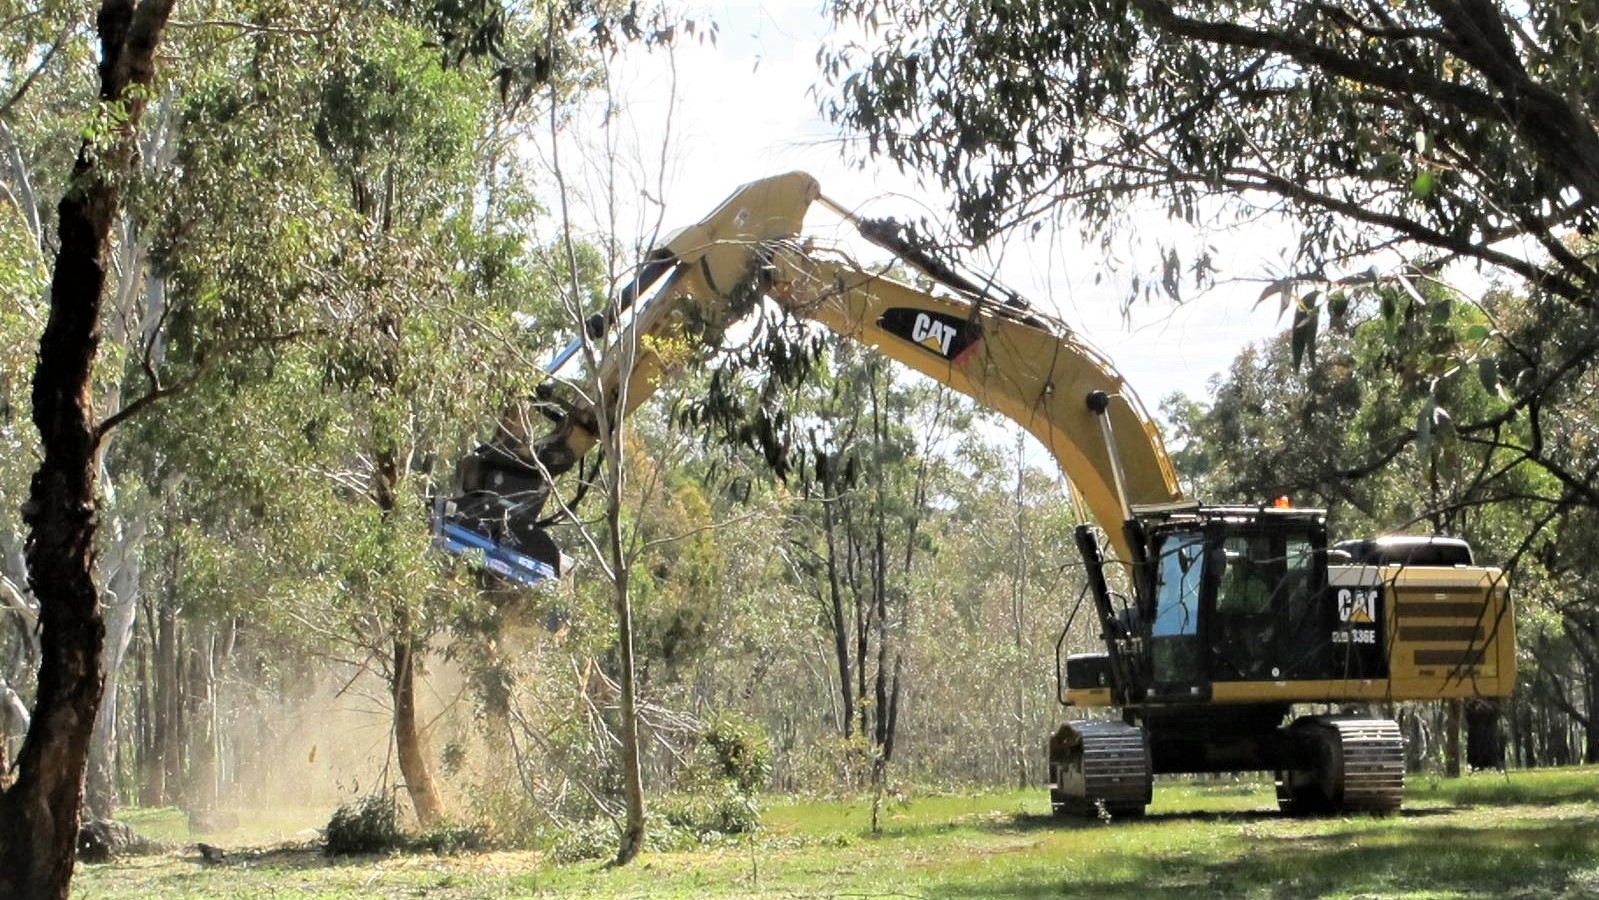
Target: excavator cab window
[
  {"x": 1264, "y": 603},
  {"x": 1175, "y": 658}
]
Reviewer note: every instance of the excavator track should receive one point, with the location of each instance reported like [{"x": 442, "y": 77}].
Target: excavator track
[
  {"x": 1357, "y": 766},
  {"x": 1099, "y": 768}
]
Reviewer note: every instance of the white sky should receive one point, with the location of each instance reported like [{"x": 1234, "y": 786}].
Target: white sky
[{"x": 744, "y": 110}]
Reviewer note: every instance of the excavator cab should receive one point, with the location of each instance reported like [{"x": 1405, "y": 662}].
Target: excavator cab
[{"x": 1236, "y": 594}]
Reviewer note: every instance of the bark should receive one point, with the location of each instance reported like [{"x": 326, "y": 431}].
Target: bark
[
  {"x": 632, "y": 841},
  {"x": 1485, "y": 744},
  {"x": 144, "y": 714},
  {"x": 120, "y": 611},
  {"x": 39, "y": 813},
  {"x": 408, "y": 743},
  {"x": 886, "y": 697},
  {"x": 880, "y": 679},
  {"x": 200, "y": 787},
  {"x": 1018, "y": 609},
  {"x": 863, "y": 625},
  {"x": 13, "y": 720},
  {"x": 1591, "y": 748},
  {"x": 1452, "y": 738},
  {"x": 892, "y": 728},
  {"x": 166, "y": 768},
  {"x": 840, "y": 637}
]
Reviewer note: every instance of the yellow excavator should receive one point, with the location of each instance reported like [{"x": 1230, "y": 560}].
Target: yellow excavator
[{"x": 1216, "y": 621}]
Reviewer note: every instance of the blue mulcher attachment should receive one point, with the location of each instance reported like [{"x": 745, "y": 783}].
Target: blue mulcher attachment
[
  {"x": 505, "y": 483},
  {"x": 504, "y": 486},
  {"x": 505, "y": 558}
]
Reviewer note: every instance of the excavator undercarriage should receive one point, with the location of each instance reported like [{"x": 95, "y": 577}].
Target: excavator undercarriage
[{"x": 1323, "y": 765}]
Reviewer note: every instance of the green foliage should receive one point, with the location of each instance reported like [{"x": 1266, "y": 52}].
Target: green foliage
[
  {"x": 740, "y": 752},
  {"x": 719, "y": 810},
  {"x": 593, "y": 839},
  {"x": 369, "y": 825},
  {"x": 450, "y": 838},
  {"x": 1360, "y": 121},
  {"x": 747, "y": 400}
]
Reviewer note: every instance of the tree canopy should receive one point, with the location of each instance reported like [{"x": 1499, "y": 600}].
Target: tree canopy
[{"x": 1443, "y": 128}]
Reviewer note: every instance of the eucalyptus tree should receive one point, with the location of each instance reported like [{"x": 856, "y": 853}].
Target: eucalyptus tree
[
  {"x": 1396, "y": 140},
  {"x": 234, "y": 289},
  {"x": 39, "y": 810},
  {"x": 862, "y": 451}
]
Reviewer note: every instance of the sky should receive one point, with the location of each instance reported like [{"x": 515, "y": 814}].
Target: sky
[{"x": 704, "y": 119}]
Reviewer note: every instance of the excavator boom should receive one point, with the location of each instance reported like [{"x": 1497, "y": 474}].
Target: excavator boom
[{"x": 1019, "y": 362}]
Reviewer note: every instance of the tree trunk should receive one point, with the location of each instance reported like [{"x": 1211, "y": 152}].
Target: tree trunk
[
  {"x": 632, "y": 771},
  {"x": 840, "y": 636},
  {"x": 144, "y": 710},
  {"x": 166, "y": 765},
  {"x": 1485, "y": 745},
  {"x": 1452, "y": 738},
  {"x": 121, "y": 612},
  {"x": 1018, "y": 618},
  {"x": 1590, "y": 753},
  {"x": 39, "y": 812},
  {"x": 199, "y": 782},
  {"x": 408, "y": 743}
]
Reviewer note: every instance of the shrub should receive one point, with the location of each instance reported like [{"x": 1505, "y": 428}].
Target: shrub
[
  {"x": 450, "y": 837},
  {"x": 369, "y": 825},
  {"x": 739, "y": 752},
  {"x": 717, "y": 810},
  {"x": 594, "y": 839}
]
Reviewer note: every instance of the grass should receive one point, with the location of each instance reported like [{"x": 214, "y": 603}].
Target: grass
[{"x": 1533, "y": 834}]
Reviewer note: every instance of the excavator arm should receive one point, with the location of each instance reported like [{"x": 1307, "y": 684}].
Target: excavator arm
[{"x": 1007, "y": 357}]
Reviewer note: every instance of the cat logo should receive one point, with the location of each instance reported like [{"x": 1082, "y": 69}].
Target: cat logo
[
  {"x": 932, "y": 334},
  {"x": 1357, "y": 605},
  {"x": 951, "y": 337}
]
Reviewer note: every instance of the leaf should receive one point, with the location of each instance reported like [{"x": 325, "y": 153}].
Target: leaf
[
  {"x": 1422, "y": 185},
  {"x": 1488, "y": 373},
  {"x": 1280, "y": 286},
  {"x": 1171, "y": 275},
  {"x": 1338, "y": 311},
  {"x": 1478, "y": 333},
  {"x": 1441, "y": 310}
]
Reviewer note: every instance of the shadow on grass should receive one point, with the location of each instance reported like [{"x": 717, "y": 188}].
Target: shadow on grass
[
  {"x": 1023, "y": 822},
  {"x": 1553, "y": 859}
]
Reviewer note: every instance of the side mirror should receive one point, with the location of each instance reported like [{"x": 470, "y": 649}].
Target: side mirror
[{"x": 1215, "y": 563}]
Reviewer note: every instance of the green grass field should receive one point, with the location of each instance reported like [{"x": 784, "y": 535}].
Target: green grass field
[{"x": 1533, "y": 834}]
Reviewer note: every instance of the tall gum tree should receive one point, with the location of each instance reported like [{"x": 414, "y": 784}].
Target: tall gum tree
[{"x": 39, "y": 811}]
